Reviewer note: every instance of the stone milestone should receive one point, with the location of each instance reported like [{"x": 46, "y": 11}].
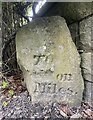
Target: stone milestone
[{"x": 50, "y": 62}]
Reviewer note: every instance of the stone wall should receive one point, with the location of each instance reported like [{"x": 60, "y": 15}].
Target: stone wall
[
  {"x": 71, "y": 11},
  {"x": 82, "y": 36},
  {"x": 79, "y": 17}
]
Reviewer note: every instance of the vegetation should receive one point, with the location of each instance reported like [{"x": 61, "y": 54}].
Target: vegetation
[
  {"x": 5, "y": 84},
  {"x": 14, "y": 16},
  {"x": 11, "y": 93},
  {"x": 5, "y": 104}
]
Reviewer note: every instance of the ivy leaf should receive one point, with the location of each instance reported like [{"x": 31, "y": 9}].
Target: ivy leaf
[
  {"x": 5, "y": 84},
  {"x": 27, "y": 100},
  {"x": 5, "y": 104},
  {"x": 11, "y": 92}
]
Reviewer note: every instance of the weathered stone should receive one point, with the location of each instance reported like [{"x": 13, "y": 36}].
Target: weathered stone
[
  {"x": 86, "y": 65},
  {"x": 74, "y": 32},
  {"x": 78, "y": 10},
  {"x": 88, "y": 93},
  {"x": 50, "y": 61},
  {"x": 85, "y": 41},
  {"x": 71, "y": 11}
]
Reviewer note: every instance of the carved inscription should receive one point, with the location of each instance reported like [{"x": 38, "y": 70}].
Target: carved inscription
[
  {"x": 64, "y": 77},
  {"x": 45, "y": 88},
  {"x": 52, "y": 88}
]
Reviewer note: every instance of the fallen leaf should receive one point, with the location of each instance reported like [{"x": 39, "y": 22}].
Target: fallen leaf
[
  {"x": 10, "y": 79},
  {"x": 19, "y": 88},
  {"x": 18, "y": 76},
  {"x": 85, "y": 105},
  {"x": 65, "y": 109}
]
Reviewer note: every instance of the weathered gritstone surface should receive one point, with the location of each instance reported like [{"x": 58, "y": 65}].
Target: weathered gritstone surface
[{"x": 50, "y": 61}]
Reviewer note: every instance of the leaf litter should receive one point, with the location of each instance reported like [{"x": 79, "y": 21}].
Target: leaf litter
[{"x": 13, "y": 92}]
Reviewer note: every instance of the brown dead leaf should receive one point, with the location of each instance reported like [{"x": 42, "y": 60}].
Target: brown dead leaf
[
  {"x": 19, "y": 88},
  {"x": 0, "y": 88},
  {"x": 11, "y": 79},
  {"x": 7, "y": 93},
  {"x": 14, "y": 85},
  {"x": 0, "y": 82},
  {"x": 84, "y": 105},
  {"x": 18, "y": 76},
  {"x": 65, "y": 109}
]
